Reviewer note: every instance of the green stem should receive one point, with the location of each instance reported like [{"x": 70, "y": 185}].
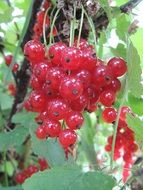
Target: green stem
[
  {"x": 80, "y": 29},
  {"x": 91, "y": 26},
  {"x": 117, "y": 121},
  {"x": 72, "y": 27},
  {"x": 52, "y": 26},
  {"x": 26, "y": 24},
  {"x": 44, "y": 27},
  {"x": 125, "y": 93}
]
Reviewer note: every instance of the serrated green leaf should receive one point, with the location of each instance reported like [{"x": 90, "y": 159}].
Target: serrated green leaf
[
  {"x": 136, "y": 124},
  {"x": 136, "y": 104},
  {"x": 50, "y": 150},
  {"x": 6, "y": 101},
  {"x": 12, "y": 139},
  {"x": 69, "y": 178},
  {"x": 134, "y": 72}
]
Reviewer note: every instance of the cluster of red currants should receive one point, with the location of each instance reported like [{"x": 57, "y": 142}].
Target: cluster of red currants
[
  {"x": 8, "y": 61},
  {"x": 125, "y": 145},
  {"x": 29, "y": 171},
  {"x": 67, "y": 81},
  {"x": 38, "y": 27}
]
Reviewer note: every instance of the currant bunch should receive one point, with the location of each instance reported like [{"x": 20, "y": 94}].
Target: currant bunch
[
  {"x": 68, "y": 82},
  {"x": 30, "y": 170},
  {"x": 125, "y": 145}
]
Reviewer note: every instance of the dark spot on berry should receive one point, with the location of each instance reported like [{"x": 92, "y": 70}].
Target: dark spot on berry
[
  {"x": 75, "y": 91},
  {"x": 56, "y": 114},
  {"x": 51, "y": 56},
  {"x": 48, "y": 82},
  {"x": 107, "y": 78},
  {"x": 67, "y": 59},
  {"x": 94, "y": 55}
]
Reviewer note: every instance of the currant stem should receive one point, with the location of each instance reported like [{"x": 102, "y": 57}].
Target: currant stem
[
  {"x": 80, "y": 29},
  {"x": 91, "y": 26},
  {"x": 44, "y": 27},
  {"x": 52, "y": 26},
  {"x": 117, "y": 121}
]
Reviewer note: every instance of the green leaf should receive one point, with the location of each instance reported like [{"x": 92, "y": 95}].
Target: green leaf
[
  {"x": 121, "y": 2},
  {"x": 5, "y": 12},
  {"x": 49, "y": 149},
  {"x": 136, "y": 124},
  {"x": 136, "y": 104},
  {"x": 26, "y": 119},
  {"x": 105, "y": 5},
  {"x": 6, "y": 101},
  {"x": 134, "y": 72},
  {"x": 136, "y": 38},
  {"x": 123, "y": 23},
  {"x": 12, "y": 139},
  {"x": 69, "y": 178},
  {"x": 119, "y": 51}
]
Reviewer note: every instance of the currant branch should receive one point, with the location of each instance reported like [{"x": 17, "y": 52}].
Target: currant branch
[{"x": 22, "y": 76}]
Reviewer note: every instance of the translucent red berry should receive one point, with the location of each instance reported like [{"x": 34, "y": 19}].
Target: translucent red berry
[
  {"x": 109, "y": 115},
  {"x": 118, "y": 66},
  {"x": 71, "y": 88},
  {"x": 67, "y": 138},
  {"x": 52, "y": 127},
  {"x": 107, "y": 98},
  {"x": 74, "y": 120}
]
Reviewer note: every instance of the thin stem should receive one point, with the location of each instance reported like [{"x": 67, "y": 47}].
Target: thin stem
[
  {"x": 44, "y": 27},
  {"x": 80, "y": 29},
  {"x": 117, "y": 122},
  {"x": 52, "y": 26},
  {"x": 91, "y": 26},
  {"x": 125, "y": 93},
  {"x": 71, "y": 33}
]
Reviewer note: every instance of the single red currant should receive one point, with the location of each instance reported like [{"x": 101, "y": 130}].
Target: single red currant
[
  {"x": 52, "y": 128},
  {"x": 107, "y": 98},
  {"x": 74, "y": 120},
  {"x": 71, "y": 88},
  {"x": 109, "y": 115},
  {"x": 67, "y": 138},
  {"x": 118, "y": 66}
]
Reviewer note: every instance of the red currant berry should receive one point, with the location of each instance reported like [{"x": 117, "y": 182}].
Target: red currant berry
[
  {"x": 107, "y": 98},
  {"x": 71, "y": 88},
  {"x": 109, "y": 115},
  {"x": 20, "y": 178},
  {"x": 35, "y": 83},
  {"x": 37, "y": 101},
  {"x": 40, "y": 71},
  {"x": 67, "y": 138},
  {"x": 34, "y": 51},
  {"x": 118, "y": 66},
  {"x": 43, "y": 164},
  {"x": 115, "y": 85},
  {"x": 55, "y": 52},
  {"x": 52, "y": 128},
  {"x": 8, "y": 59},
  {"x": 54, "y": 76},
  {"x": 57, "y": 109},
  {"x": 74, "y": 120},
  {"x": 102, "y": 76},
  {"x": 32, "y": 170},
  {"x": 84, "y": 76},
  {"x": 15, "y": 68},
  {"x": 40, "y": 133},
  {"x": 71, "y": 58},
  {"x": 124, "y": 111}
]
